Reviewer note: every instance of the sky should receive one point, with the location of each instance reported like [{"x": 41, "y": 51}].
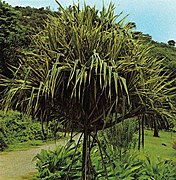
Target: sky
[{"x": 154, "y": 17}]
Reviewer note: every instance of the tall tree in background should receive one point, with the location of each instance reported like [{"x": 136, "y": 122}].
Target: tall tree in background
[{"x": 85, "y": 67}]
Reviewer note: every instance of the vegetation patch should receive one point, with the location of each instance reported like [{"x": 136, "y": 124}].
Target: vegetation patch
[
  {"x": 65, "y": 163},
  {"x": 85, "y": 70},
  {"x": 17, "y": 128},
  {"x": 19, "y": 131}
]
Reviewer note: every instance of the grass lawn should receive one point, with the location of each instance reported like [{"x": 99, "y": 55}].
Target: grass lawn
[
  {"x": 25, "y": 145},
  {"x": 160, "y": 147}
]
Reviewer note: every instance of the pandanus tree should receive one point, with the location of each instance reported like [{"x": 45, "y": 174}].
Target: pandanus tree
[{"x": 86, "y": 66}]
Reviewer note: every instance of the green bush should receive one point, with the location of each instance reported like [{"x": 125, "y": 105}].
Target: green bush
[
  {"x": 3, "y": 144},
  {"x": 62, "y": 163},
  {"x": 162, "y": 169},
  {"x": 16, "y": 127},
  {"x": 121, "y": 136}
]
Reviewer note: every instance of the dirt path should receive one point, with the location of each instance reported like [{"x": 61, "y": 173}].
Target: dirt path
[{"x": 18, "y": 165}]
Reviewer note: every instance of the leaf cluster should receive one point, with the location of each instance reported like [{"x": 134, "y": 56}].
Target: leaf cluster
[
  {"x": 86, "y": 65},
  {"x": 61, "y": 163}
]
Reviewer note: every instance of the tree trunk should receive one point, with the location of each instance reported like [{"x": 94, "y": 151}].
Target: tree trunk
[
  {"x": 155, "y": 133},
  {"x": 43, "y": 132},
  {"x": 143, "y": 119},
  {"x": 86, "y": 172},
  {"x": 139, "y": 135}
]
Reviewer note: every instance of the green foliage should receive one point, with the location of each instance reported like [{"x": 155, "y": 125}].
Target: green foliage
[
  {"x": 3, "y": 144},
  {"x": 131, "y": 167},
  {"x": 62, "y": 163},
  {"x": 160, "y": 50},
  {"x": 164, "y": 169},
  {"x": 65, "y": 163},
  {"x": 10, "y": 26},
  {"x": 16, "y": 127},
  {"x": 12, "y": 36},
  {"x": 84, "y": 66},
  {"x": 16, "y": 24},
  {"x": 167, "y": 54},
  {"x": 33, "y": 18},
  {"x": 163, "y": 51},
  {"x": 122, "y": 136},
  {"x": 112, "y": 167}
]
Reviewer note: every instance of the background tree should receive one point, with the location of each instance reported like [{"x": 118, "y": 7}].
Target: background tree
[
  {"x": 85, "y": 67},
  {"x": 171, "y": 43},
  {"x": 16, "y": 24},
  {"x": 33, "y": 18},
  {"x": 11, "y": 36}
]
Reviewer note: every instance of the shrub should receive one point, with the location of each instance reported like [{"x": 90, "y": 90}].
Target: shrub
[
  {"x": 162, "y": 169},
  {"x": 16, "y": 127},
  {"x": 122, "y": 136},
  {"x": 61, "y": 163},
  {"x": 3, "y": 144}
]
